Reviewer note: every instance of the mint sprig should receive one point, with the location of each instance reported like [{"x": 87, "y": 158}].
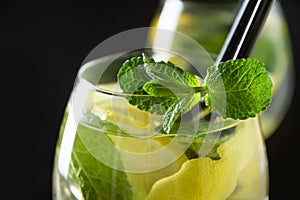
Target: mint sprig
[
  {"x": 247, "y": 86},
  {"x": 236, "y": 89}
]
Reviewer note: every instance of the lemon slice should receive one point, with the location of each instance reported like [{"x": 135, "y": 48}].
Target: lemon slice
[
  {"x": 144, "y": 159},
  {"x": 127, "y": 117},
  {"x": 149, "y": 160},
  {"x": 206, "y": 179}
]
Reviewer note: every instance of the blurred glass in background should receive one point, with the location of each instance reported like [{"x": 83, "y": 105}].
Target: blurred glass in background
[{"x": 209, "y": 21}]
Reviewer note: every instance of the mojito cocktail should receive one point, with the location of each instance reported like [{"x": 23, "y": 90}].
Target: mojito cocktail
[{"x": 149, "y": 139}]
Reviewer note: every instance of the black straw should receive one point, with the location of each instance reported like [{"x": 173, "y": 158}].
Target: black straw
[{"x": 245, "y": 29}]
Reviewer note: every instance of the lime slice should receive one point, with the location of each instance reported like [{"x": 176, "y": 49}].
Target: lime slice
[{"x": 207, "y": 179}]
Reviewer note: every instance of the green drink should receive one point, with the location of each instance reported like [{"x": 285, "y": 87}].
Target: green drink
[{"x": 109, "y": 148}]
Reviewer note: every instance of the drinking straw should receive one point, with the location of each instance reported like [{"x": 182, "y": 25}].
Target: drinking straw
[
  {"x": 245, "y": 30},
  {"x": 241, "y": 40}
]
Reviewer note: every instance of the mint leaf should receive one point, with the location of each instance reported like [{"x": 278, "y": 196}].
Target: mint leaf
[
  {"x": 169, "y": 89},
  {"x": 133, "y": 75},
  {"x": 173, "y": 112},
  {"x": 246, "y": 84},
  {"x": 236, "y": 89},
  {"x": 97, "y": 181}
]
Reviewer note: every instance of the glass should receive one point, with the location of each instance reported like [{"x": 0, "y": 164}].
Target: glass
[
  {"x": 208, "y": 22},
  {"x": 109, "y": 149}
]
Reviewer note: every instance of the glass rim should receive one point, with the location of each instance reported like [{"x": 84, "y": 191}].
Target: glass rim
[
  {"x": 118, "y": 93},
  {"x": 98, "y": 86}
]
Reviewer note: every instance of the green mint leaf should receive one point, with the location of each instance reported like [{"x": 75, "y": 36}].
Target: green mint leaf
[
  {"x": 186, "y": 99},
  {"x": 173, "y": 112},
  {"x": 236, "y": 89},
  {"x": 163, "y": 89},
  {"x": 169, "y": 89},
  {"x": 246, "y": 84},
  {"x": 97, "y": 181},
  {"x": 132, "y": 76}
]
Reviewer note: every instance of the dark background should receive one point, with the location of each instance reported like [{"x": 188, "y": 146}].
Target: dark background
[{"x": 42, "y": 45}]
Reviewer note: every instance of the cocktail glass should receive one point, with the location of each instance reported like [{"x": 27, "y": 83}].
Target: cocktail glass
[{"x": 109, "y": 149}]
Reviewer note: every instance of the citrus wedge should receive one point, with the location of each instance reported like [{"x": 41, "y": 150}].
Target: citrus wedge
[{"x": 207, "y": 179}]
